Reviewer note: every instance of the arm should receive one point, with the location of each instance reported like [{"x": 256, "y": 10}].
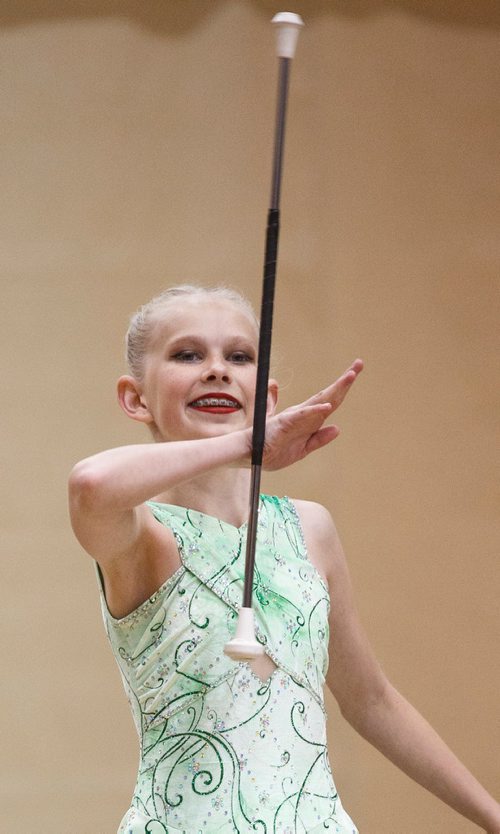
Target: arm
[
  {"x": 113, "y": 483},
  {"x": 113, "y": 524},
  {"x": 374, "y": 708},
  {"x": 108, "y": 491}
]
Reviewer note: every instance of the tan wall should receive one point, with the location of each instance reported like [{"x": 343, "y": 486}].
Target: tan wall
[{"x": 136, "y": 150}]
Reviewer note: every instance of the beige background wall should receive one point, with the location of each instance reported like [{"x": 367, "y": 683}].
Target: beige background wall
[{"x": 136, "y": 151}]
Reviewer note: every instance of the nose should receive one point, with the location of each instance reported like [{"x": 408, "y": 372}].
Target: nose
[{"x": 216, "y": 369}]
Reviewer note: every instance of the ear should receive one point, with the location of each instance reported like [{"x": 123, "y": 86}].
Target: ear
[
  {"x": 132, "y": 401},
  {"x": 272, "y": 396}
]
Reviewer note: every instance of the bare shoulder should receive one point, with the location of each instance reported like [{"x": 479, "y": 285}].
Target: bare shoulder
[
  {"x": 314, "y": 514},
  {"x": 321, "y": 537}
]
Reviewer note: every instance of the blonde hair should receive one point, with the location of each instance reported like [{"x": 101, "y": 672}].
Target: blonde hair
[{"x": 143, "y": 320}]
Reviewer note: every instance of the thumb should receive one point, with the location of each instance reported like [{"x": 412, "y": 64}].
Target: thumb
[{"x": 322, "y": 437}]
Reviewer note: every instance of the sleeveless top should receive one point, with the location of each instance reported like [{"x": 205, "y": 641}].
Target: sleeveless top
[{"x": 220, "y": 749}]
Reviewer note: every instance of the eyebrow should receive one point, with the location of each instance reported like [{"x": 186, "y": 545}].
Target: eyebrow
[
  {"x": 198, "y": 341},
  {"x": 178, "y": 340}
]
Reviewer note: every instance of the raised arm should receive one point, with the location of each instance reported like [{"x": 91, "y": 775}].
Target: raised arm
[
  {"x": 108, "y": 491},
  {"x": 374, "y": 707},
  {"x": 105, "y": 489}
]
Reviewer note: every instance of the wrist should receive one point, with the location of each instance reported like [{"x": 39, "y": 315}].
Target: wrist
[
  {"x": 243, "y": 442},
  {"x": 493, "y": 824}
]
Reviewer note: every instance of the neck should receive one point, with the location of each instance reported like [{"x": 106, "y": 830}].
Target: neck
[{"x": 223, "y": 493}]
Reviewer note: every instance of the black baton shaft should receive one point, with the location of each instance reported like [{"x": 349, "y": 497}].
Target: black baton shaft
[{"x": 265, "y": 334}]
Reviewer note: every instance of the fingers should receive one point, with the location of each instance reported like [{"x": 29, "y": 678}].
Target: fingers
[
  {"x": 300, "y": 429},
  {"x": 320, "y": 438},
  {"x": 307, "y": 413},
  {"x": 357, "y": 366},
  {"x": 297, "y": 422},
  {"x": 336, "y": 392},
  {"x": 349, "y": 375},
  {"x": 291, "y": 436}
]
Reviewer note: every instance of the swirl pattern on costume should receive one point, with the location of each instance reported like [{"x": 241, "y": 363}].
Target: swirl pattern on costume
[{"x": 221, "y": 750}]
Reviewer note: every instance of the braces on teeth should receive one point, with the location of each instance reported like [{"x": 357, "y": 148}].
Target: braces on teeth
[{"x": 216, "y": 401}]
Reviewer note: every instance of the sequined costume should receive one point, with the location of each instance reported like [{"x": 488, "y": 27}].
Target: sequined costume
[{"x": 221, "y": 750}]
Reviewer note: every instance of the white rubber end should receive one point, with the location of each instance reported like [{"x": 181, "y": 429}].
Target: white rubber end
[
  {"x": 244, "y": 646},
  {"x": 288, "y": 26}
]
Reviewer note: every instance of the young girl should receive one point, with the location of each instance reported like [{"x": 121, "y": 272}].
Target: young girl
[{"x": 234, "y": 747}]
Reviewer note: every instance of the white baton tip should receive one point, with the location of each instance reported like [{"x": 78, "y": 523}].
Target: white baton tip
[
  {"x": 288, "y": 26},
  {"x": 244, "y": 646}
]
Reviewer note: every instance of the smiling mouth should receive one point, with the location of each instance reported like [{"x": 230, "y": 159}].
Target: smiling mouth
[{"x": 216, "y": 404}]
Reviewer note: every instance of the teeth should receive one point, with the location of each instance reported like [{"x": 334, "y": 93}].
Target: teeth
[{"x": 208, "y": 402}]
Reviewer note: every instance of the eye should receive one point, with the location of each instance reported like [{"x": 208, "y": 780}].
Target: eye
[
  {"x": 187, "y": 356},
  {"x": 240, "y": 357}
]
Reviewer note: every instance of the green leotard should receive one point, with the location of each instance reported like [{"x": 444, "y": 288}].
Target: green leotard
[{"x": 221, "y": 750}]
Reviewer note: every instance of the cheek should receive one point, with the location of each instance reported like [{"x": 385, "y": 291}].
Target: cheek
[
  {"x": 176, "y": 388},
  {"x": 251, "y": 373},
  {"x": 249, "y": 389},
  {"x": 175, "y": 379}
]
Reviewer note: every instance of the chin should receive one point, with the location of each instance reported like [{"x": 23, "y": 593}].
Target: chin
[
  {"x": 202, "y": 432},
  {"x": 217, "y": 430}
]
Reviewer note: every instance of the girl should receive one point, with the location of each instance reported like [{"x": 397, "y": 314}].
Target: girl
[{"x": 231, "y": 747}]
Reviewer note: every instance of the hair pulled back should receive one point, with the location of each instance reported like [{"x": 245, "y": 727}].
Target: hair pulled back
[{"x": 144, "y": 319}]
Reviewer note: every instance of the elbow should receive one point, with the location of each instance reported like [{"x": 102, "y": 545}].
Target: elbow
[
  {"x": 85, "y": 487},
  {"x": 359, "y": 708}
]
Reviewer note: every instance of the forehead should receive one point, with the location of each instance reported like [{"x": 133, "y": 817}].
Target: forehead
[{"x": 203, "y": 316}]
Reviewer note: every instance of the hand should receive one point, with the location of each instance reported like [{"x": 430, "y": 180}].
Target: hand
[{"x": 299, "y": 430}]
